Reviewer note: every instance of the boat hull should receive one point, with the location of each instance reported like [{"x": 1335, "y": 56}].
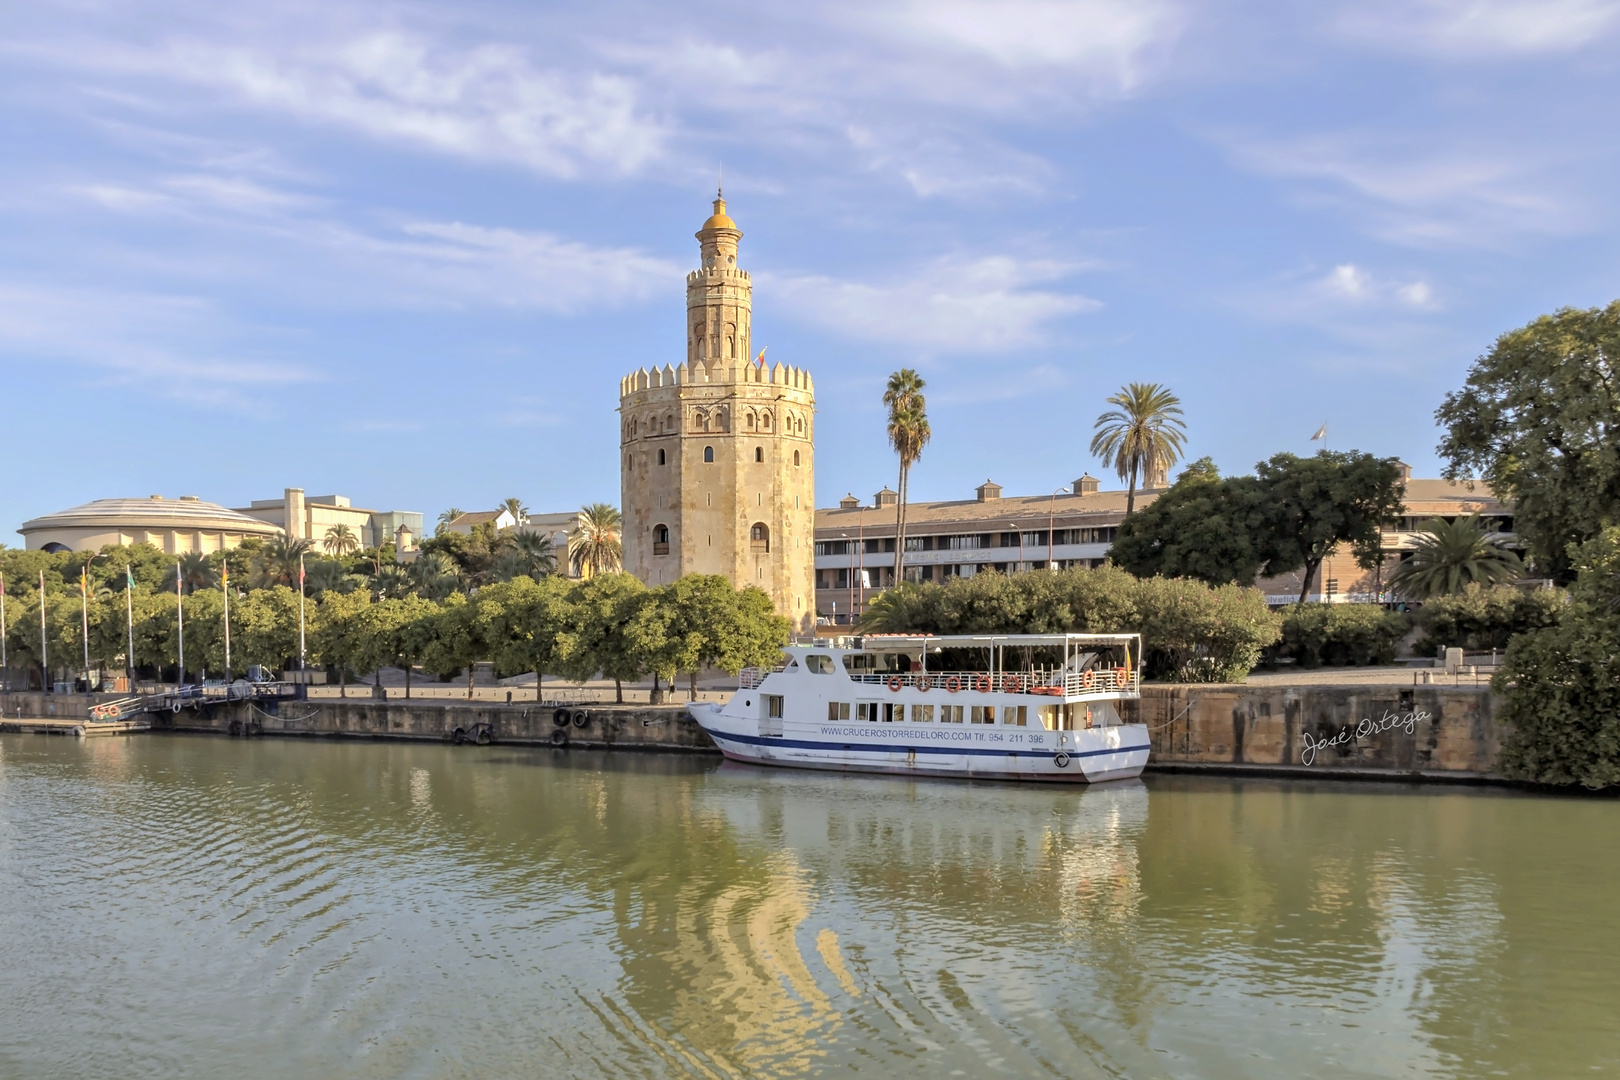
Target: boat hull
[{"x": 1091, "y": 756}]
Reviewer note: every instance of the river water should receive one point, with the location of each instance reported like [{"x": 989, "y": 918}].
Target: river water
[{"x": 201, "y": 907}]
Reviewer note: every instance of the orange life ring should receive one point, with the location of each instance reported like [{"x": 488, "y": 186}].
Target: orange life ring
[
  {"x": 953, "y": 683},
  {"x": 895, "y": 683},
  {"x": 924, "y": 684},
  {"x": 1122, "y": 676},
  {"x": 981, "y": 683},
  {"x": 1013, "y": 685},
  {"x": 1088, "y": 679}
]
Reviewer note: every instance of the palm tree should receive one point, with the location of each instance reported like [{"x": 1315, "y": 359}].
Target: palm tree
[
  {"x": 1448, "y": 555},
  {"x": 515, "y": 507},
  {"x": 446, "y": 518},
  {"x": 340, "y": 541},
  {"x": 532, "y": 554},
  {"x": 908, "y": 433},
  {"x": 594, "y": 546},
  {"x": 327, "y": 575},
  {"x": 391, "y": 581},
  {"x": 277, "y": 562},
  {"x": 196, "y": 572},
  {"x": 435, "y": 575},
  {"x": 1142, "y": 437}
]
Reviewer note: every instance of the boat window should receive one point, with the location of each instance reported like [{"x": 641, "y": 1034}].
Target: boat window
[
  {"x": 837, "y": 710},
  {"x": 983, "y": 714},
  {"x": 821, "y": 665},
  {"x": 1015, "y": 715},
  {"x": 1048, "y": 716},
  {"x": 893, "y": 712},
  {"x": 773, "y": 705},
  {"x": 950, "y": 714},
  {"x": 860, "y": 662},
  {"x": 922, "y": 714},
  {"x": 867, "y": 711}
]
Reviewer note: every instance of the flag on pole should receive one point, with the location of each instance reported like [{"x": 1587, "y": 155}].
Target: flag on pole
[
  {"x": 1321, "y": 433},
  {"x": 760, "y": 359},
  {"x": 129, "y": 578},
  {"x": 84, "y": 589}
]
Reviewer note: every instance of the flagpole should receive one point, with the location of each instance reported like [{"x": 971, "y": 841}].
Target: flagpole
[
  {"x": 300, "y": 618},
  {"x": 225, "y": 586},
  {"x": 180, "y": 623},
  {"x": 129, "y": 616},
  {"x": 5, "y": 667},
  {"x": 44, "y": 649},
  {"x": 84, "y": 608}
]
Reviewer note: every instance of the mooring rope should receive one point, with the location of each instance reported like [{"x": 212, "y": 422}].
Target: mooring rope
[
  {"x": 1190, "y": 703},
  {"x": 273, "y": 716}
]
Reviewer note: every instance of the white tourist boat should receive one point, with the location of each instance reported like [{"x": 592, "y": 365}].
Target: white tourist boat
[{"x": 1015, "y": 707}]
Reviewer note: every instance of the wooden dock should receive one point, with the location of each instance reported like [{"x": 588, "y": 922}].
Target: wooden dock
[{"x": 78, "y": 726}]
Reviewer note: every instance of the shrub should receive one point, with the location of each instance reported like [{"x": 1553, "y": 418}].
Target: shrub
[
  {"x": 1190, "y": 631},
  {"x": 1480, "y": 618},
  {"x": 1316, "y": 634},
  {"x": 1560, "y": 685}
]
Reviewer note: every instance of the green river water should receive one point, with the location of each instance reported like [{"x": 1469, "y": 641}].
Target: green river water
[{"x": 204, "y": 907}]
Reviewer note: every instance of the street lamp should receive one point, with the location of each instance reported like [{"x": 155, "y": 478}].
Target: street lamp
[
  {"x": 84, "y": 612},
  {"x": 851, "y": 553},
  {"x": 1020, "y": 528}
]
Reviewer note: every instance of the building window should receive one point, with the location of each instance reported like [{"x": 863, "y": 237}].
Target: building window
[
  {"x": 759, "y": 453},
  {"x": 660, "y": 539},
  {"x": 660, "y": 457},
  {"x": 708, "y": 454},
  {"x": 795, "y": 459},
  {"x": 759, "y": 537}
]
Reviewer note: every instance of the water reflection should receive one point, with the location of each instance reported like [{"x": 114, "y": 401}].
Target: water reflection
[{"x": 174, "y": 906}]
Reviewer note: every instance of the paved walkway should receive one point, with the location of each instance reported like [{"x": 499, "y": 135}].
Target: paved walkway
[{"x": 1396, "y": 675}]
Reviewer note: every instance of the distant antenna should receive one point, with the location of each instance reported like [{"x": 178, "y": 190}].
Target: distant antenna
[{"x": 720, "y": 189}]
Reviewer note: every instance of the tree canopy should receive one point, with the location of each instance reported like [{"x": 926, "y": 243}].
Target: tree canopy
[
  {"x": 1309, "y": 506},
  {"x": 1201, "y": 527},
  {"x": 1538, "y": 420}
]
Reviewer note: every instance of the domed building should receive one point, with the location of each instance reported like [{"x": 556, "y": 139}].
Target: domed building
[{"x": 176, "y": 526}]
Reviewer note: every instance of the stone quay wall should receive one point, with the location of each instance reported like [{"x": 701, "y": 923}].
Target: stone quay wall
[{"x": 1389, "y": 732}]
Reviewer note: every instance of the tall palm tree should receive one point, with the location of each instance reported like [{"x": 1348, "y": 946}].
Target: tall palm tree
[
  {"x": 446, "y": 518},
  {"x": 908, "y": 433},
  {"x": 328, "y": 575},
  {"x": 515, "y": 507},
  {"x": 534, "y": 554},
  {"x": 435, "y": 575},
  {"x": 196, "y": 572},
  {"x": 1448, "y": 555},
  {"x": 340, "y": 541},
  {"x": 595, "y": 546},
  {"x": 391, "y": 582},
  {"x": 1141, "y": 438},
  {"x": 277, "y": 562}
]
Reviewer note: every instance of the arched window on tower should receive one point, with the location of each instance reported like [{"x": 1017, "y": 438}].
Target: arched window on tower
[
  {"x": 708, "y": 454},
  {"x": 759, "y": 453},
  {"x": 765, "y": 421},
  {"x": 661, "y": 457},
  {"x": 795, "y": 458},
  {"x": 660, "y": 539},
  {"x": 750, "y": 421},
  {"x": 759, "y": 537}
]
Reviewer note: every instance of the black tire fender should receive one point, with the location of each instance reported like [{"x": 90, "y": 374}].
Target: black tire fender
[
  {"x": 559, "y": 737},
  {"x": 581, "y": 717},
  {"x": 458, "y": 736},
  {"x": 482, "y": 735},
  {"x": 234, "y": 727},
  {"x": 1061, "y": 760},
  {"x": 560, "y": 718}
]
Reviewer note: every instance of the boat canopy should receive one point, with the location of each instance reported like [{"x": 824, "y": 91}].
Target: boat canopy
[{"x": 910, "y": 643}]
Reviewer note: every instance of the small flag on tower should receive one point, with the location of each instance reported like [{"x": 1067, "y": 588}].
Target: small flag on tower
[
  {"x": 1321, "y": 433},
  {"x": 760, "y": 359}
]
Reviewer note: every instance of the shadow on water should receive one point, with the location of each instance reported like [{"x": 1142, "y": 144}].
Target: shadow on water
[{"x": 197, "y": 906}]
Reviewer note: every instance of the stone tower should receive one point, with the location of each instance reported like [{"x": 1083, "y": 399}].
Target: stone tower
[{"x": 718, "y": 464}]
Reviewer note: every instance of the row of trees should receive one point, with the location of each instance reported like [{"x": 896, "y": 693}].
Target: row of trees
[{"x": 608, "y": 624}]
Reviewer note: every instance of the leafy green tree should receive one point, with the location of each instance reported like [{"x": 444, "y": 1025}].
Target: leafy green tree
[
  {"x": 1561, "y": 686},
  {"x": 908, "y": 432},
  {"x": 596, "y": 641},
  {"x": 457, "y": 640},
  {"x": 1195, "y": 633},
  {"x": 1201, "y": 527},
  {"x": 1309, "y": 506},
  {"x": 435, "y": 575},
  {"x": 1316, "y": 634},
  {"x": 340, "y": 541},
  {"x": 523, "y": 634},
  {"x": 1142, "y": 437},
  {"x": 1538, "y": 420},
  {"x": 264, "y": 627},
  {"x": 392, "y": 581},
  {"x": 336, "y": 633},
  {"x": 195, "y": 570},
  {"x": 596, "y": 546},
  {"x": 395, "y": 632},
  {"x": 1447, "y": 556},
  {"x": 1479, "y": 618},
  {"x": 204, "y": 628}
]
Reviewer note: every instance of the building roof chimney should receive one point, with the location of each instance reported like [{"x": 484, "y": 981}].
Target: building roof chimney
[
  {"x": 849, "y": 502},
  {"x": 1087, "y": 485},
  {"x": 1406, "y": 470},
  {"x": 988, "y": 491},
  {"x": 886, "y": 497}
]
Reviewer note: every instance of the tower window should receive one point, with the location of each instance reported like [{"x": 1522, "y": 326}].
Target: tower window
[
  {"x": 708, "y": 454},
  {"x": 759, "y": 537},
  {"x": 660, "y": 539},
  {"x": 661, "y": 457},
  {"x": 759, "y": 453},
  {"x": 795, "y": 458}
]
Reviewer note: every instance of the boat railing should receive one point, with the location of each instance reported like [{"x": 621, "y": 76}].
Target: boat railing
[
  {"x": 750, "y": 677},
  {"x": 1050, "y": 683}
]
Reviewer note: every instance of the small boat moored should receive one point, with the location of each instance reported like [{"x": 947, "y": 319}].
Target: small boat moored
[{"x": 1014, "y": 706}]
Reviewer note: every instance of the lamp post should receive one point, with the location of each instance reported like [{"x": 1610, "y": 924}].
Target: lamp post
[
  {"x": 129, "y": 624},
  {"x": 860, "y": 580},
  {"x": 1015, "y": 525},
  {"x": 851, "y": 553},
  {"x": 84, "y": 613},
  {"x": 1051, "y": 537},
  {"x": 180, "y": 622}
]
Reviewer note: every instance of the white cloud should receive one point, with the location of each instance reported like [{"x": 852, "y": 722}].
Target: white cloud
[
  {"x": 988, "y": 304},
  {"x": 1415, "y": 195},
  {"x": 1350, "y": 283},
  {"x": 1467, "y": 28}
]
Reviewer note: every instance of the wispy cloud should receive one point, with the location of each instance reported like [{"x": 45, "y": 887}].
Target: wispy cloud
[
  {"x": 955, "y": 304},
  {"x": 1409, "y": 193},
  {"x": 1481, "y": 28}
]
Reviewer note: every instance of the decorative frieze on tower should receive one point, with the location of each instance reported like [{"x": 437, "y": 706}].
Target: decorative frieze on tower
[{"x": 717, "y": 467}]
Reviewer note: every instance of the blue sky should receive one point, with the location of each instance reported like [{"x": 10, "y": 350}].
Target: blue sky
[{"x": 405, "y": 251}]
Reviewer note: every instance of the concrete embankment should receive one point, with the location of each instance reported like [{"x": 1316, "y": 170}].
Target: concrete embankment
[
  {"x": 1369, "y": 732},
  {"x": 1365, "y": 732}
]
